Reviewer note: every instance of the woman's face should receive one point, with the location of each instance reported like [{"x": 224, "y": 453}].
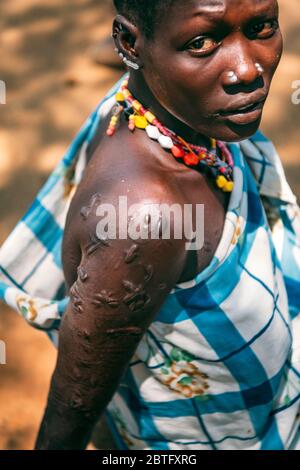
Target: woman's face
[{"x": 209, "y": 59}]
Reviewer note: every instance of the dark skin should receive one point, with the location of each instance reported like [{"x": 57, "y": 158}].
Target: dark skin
[{"x": 117, "y": 287}]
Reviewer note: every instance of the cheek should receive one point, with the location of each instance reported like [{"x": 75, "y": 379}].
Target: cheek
[
  {"x": 182, "y": 84},
  {"x": 270, "y": 56},
  {"x": 177, "y": 79}
]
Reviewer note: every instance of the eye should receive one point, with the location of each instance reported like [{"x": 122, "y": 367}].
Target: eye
[
  {"x": 264, "y": 30},
  {"x": 202, "y": 45}
]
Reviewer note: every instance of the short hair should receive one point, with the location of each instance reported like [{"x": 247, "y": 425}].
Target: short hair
[{"x": 143, "y": 13}]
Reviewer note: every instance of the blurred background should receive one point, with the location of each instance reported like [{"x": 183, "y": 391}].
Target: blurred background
[{"x": 56, "y": 65}]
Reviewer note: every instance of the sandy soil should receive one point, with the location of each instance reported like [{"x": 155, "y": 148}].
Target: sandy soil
[{"x": 52, "y": 85}]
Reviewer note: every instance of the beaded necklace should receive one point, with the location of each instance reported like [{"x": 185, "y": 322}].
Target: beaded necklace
[{"x": 218, "y": 167}]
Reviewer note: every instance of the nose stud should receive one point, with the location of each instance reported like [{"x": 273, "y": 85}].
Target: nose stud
[
  {"x": 232, "y": 76},
  {"x": 259, "y": 67}
]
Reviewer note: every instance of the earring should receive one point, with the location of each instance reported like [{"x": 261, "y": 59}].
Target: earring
[
  {"x": 120, "y": 54},
  {"x": 259, "y": 67},
  {"x": 131, "y": 64},
  {"x": 232, "y": 77}
]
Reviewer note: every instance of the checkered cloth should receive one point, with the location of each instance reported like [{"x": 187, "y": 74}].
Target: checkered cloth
[{"x": 219, "y": 367}]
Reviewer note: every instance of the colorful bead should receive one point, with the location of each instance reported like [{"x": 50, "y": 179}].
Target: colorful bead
[
  {"x": 165, "y": 142},
  {"x": 126, "y": 94},
  {"x": 228, "y": 187},
  {"x": 191, "y": 159},
  {"x": 213, "y": 143},
  {"x": 136, "y": 105},
  {"x": 153, "y": 132},
  {"x": 149, "y": 116},
  {"x": 120, "y": 97},
  {"x": 202, "y": 154},
  {"x": 113, "y": 123},
  {"x": 110, "y": 132},
  {"x": 131, "y": 123},
  {"x": 140, "y": 122},
  {"x": 221, "y": 181},
  {"x": 177, "y": 151},
  {"x": 220, "y": 167},
  {"x": 161, "y": 128},
  {"x": 117, "y": 110}
]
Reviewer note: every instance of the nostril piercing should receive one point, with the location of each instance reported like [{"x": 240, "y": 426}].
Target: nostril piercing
[
  {"x": 259, "y": 67},
  {"x": 232, "y": 76}
]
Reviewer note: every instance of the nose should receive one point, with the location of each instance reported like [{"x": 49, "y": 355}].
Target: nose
[{"x": 243, "y": 68}]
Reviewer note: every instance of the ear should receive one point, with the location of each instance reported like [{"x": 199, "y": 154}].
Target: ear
[{"x": 126, "y": 36}]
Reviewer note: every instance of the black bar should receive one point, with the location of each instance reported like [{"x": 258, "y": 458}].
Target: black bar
[{"x": 203, "y": 460}]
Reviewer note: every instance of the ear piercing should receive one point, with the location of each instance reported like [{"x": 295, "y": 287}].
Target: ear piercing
[
  {"x": 127, "y": 62},
  {"x": 131, "y": 64}
]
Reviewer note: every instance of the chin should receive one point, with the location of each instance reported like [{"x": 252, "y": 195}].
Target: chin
[{"x": 235, "y": 132}]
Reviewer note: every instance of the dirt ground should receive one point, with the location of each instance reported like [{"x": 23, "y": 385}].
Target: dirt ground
[{"x": 52, "y": 85}]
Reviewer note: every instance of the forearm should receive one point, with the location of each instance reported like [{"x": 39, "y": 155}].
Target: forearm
[
  {"x": 63, "y": 428},
  {"x": 84, "y": 381}
]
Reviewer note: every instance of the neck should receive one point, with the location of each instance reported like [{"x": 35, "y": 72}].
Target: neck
[{"x": 140, "y": 90}]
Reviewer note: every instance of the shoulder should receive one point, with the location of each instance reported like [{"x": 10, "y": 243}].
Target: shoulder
[
  {"x": 123, "y": 168},
  {"x": 129, "y": 257},
  {"x": 119, "y": 209},
  {"x": 129, "y": 205}
]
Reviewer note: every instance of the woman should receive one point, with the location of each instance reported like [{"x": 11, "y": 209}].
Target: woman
[{"x": 183, "y": 348}]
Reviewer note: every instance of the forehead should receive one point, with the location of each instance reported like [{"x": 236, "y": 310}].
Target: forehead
[
  {"x": 185, "y": 18},
  {"x": 218, "y": 9}
]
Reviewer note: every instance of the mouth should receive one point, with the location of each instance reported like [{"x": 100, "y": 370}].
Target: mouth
[{"x": 245, "y": 114}]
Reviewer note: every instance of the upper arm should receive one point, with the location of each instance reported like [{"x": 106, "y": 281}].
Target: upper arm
[{"x": 119, "y": 288}]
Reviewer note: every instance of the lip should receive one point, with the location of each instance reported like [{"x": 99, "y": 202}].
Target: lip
[{"x": 244, "y": 113}]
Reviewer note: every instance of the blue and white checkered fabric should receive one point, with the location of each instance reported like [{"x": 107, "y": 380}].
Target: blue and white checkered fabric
[{"x": 219, "y": 367}]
